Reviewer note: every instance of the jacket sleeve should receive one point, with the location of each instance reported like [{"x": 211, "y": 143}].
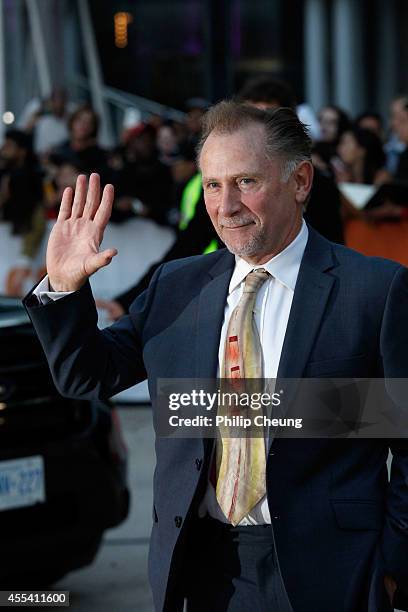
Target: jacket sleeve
[
  {"x": 394, "y": 352},
  {"x": 86, "y": 362}
]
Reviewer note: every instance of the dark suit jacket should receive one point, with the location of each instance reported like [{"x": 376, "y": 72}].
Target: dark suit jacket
[{"x": 337, "y": 523}]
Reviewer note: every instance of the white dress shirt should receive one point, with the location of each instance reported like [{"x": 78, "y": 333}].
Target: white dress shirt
[{"x": 272, "y": 308}]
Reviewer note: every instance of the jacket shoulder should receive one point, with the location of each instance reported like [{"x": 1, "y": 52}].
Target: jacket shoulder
[
  {"x": 364, "y": 264},
  {"x": 356, "y": 262},
  {"x": 197, "y": 263}
]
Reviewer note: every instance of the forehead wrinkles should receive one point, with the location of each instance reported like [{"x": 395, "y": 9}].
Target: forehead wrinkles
[{"x": 239, "y": 152}]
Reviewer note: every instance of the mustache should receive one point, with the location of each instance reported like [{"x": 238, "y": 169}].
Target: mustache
[{"x": 234, "y": 221}]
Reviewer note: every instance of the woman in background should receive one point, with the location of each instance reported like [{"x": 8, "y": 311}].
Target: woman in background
[{"x": 362, "y": 156}]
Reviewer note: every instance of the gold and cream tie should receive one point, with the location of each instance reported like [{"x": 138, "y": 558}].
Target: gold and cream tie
[{"x": 241, "y": 461}]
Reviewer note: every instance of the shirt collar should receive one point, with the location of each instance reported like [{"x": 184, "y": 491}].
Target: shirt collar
[{"x": 284, "y": 266}]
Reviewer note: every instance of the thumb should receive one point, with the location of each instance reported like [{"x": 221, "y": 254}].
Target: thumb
[{"x": 100, "y": 260}]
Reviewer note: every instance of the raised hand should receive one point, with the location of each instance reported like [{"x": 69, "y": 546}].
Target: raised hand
[{"x": 73, "y": 247}]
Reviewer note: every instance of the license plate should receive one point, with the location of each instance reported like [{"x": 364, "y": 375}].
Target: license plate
[{"x": 22, "y": 482}]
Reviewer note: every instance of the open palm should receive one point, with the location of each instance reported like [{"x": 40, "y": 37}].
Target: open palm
[{"x": 73, "y": 247}]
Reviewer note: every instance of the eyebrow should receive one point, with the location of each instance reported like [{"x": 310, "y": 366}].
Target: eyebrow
[{"x": 233, "y": 176}]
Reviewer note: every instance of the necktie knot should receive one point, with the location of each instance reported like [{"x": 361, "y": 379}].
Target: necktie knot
[{"x": 255, "y": 280}]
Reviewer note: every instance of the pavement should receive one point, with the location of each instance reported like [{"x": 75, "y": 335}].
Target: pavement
[{"x": 117, "y": 580}]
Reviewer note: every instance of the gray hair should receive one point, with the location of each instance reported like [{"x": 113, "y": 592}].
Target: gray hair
[{"x": 286, "y": 138}]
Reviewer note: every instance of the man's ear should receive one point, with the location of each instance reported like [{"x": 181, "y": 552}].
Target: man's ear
[{"x": 303, "y": 178}]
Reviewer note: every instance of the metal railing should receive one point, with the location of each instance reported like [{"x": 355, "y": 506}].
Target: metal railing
[{"x": 121, "y": 102}]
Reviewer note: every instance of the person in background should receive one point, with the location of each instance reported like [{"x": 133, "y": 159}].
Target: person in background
[
  {"x": 20, "y": 181},
  {"x": 82, "y": 147},
  {"x": 399, "y": 122},
  {"x": 196, "y": 109},
  {"x": 189, "y": 135},
  {"x": 390, "y": 209},
  {"x": 21, "y": 209},
  {"x": 47, "y": 121},
  {"x": 51, "y": 125},
  {"x": 361, "y": 160},
  {"x": 144, "y": 183},
  {"x": 381, "y": 228},
  {"x": 63, "y": 174},
  {"x": 167, "y": 144},
  {"x": 394, "y": 147},
  {"x": 333, "y": 122},
  {"x": 372, "y": 121},
  {"x": 362, "y": 154},
  {"x": 267, "y": 93},
  {"x": 170, "y": 147}
]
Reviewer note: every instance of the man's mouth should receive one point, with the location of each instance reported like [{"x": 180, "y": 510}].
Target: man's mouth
[{"x": 237, "y": 226}]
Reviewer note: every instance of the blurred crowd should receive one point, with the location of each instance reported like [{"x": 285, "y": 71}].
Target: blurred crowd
[{"x": 360, "y": 194}]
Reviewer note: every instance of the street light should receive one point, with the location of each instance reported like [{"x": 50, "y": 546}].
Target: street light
[
  {"x": 8, "y": 118},
  {"x": 122, "y": 20}
]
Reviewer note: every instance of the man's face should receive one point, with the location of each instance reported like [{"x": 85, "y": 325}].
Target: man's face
[{"x": 255, "y": 214}]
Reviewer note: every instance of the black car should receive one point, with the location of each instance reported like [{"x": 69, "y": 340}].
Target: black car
[{"x": 62, "y": 465}]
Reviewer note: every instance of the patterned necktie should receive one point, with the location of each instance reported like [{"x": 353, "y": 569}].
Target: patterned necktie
[{"x": 241, "y": 462}]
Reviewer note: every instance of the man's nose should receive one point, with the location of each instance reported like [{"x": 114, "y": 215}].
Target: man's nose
[{"x": 230, "y": 203}]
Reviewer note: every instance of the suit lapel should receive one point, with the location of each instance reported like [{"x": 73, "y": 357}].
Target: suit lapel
[
  {"x": 213, "y": 297},
  {"x": 308, "y": 306},
  {"x": 212, "y": 300},
  {"x": 312, "y": 292}
]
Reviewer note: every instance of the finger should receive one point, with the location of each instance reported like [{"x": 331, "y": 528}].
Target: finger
[
  {"x": 105, "y": 209},
  {"x": 99, "y": 260},
  {"x": 66, "y": 203},
  {"x": 79, "y": 197},
  {"x": 93, "y": 195}
]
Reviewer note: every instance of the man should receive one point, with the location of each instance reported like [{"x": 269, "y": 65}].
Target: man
[{"x": 322, "y": 531}]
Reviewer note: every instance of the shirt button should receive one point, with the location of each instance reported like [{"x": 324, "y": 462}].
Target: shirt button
[
  {"x": 276, "y": 517},
  {"x": 178, "y": 520},
  {"x": 199, "y": 463}
]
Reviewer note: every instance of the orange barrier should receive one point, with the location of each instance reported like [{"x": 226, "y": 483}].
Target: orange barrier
[{"x": 382, "y": 239}]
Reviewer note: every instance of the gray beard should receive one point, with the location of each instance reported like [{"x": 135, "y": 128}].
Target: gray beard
[{"x": 250, "y": 249}]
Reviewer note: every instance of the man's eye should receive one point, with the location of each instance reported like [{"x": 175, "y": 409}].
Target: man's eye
[
  {"x": 246, "y": 181},
  {"x": 212, "y": 185}
]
